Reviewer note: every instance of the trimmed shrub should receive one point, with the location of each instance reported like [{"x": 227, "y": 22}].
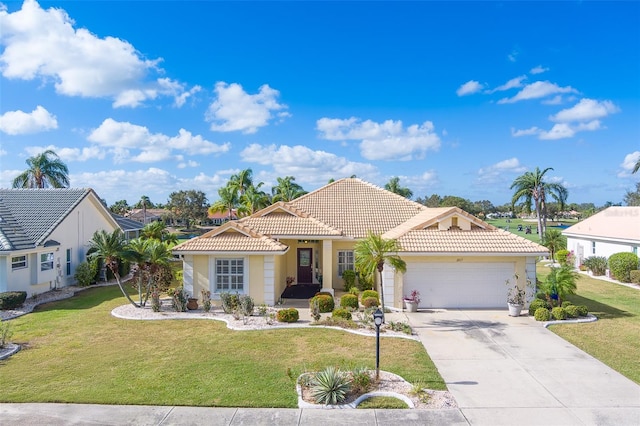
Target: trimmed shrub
[
  {"x": 349, "y": 301},
  {"x": 349, "y": 277},
  {"x": 566, "y": 303},
  {"x": 596, "y": 264},
  {"x": 86, "y": 273},
  {"x": 246, "y": 305},
  {"x": 12, "y": 299},
  {"x": 635, "y": 276},
  {"x": 370, "y": 293},
  {"x": 341, "y": 313},
  {"x": 561, "y": 256},
  {"x": 621, "y": 265},
  {"x": 535, "y": 304},
  {"x": 542, "y": 314},
  {"x": 229, "y": 302},
  {"x": 572, "y": 311},
  {"x": 559, "y": 313},
  {"x": 325, "y": 302},
  {"x": 288, "y": 315},
  {"x": 583, "y": 311},
  {"x": 370, "y": 302}
]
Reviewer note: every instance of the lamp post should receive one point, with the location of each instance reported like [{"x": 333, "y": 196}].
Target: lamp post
[{"x": 378, "y": 315}]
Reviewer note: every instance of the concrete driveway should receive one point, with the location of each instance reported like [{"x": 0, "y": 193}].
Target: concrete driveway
[{"x": 505, "y": 371}]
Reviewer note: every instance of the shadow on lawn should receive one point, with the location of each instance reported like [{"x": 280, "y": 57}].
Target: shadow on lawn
[{"x": 601, "y": 310}]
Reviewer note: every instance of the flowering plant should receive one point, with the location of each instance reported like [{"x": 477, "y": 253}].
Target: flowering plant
[{"x": 414, "y": 296}]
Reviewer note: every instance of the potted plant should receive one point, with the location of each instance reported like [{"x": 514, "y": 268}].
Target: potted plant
[
  {"x": 412, "y": 301},
  {"x": 290, "y": 281},
  {"x": 515, "y": 297}
]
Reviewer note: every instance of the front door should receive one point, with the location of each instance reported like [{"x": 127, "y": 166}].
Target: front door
[{"x": 305, "y": 269}]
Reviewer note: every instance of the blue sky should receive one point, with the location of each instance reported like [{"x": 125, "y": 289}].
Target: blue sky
[{"x": 456, "y": 98}]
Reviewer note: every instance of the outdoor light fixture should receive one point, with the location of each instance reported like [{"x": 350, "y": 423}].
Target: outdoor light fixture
[{"x": 378, "y": 316}]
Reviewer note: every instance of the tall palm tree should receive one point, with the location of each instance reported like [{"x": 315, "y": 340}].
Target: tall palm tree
[
  {"x": 531, "y": 187},
  {"x": 45, "y": 170},
  {"x": 394, "y": 186},
  {"x": 111, "y": 249},
  {"x": 286, "y": 190},
  {"x": 637, "y": 166},
  {"x": 228, "y": 201},
  {"x": 150, "y": 257},
  {"x": 143, "y": 203},
  {"x": 253, "y": 200},
  {"x": 554, "y": 241},
  {"x": 242, "y": 181},
  {"x": 372, "y": 253}
]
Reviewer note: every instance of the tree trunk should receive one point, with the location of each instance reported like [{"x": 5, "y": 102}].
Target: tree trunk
[
  {"x": 117, "y": 275},
  {"x": 539, "y": 213}
]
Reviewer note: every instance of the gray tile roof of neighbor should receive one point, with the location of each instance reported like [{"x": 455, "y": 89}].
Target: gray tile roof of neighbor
[{"x": 28, "y": 216}]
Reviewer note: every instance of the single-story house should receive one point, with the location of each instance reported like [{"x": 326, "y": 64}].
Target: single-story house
[
  {"x": 44, "y": 235},
  {"x": 613, "y": 230},
  {"x": 148, "y": 215},
  {"x": 218, "y": 218},
  {"x": 453, "y": 258}
]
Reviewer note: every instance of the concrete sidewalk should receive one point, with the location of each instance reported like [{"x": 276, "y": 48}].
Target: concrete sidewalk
[
  {"x": 504, "y": 371},
  {"x": 79, "y": 414}
]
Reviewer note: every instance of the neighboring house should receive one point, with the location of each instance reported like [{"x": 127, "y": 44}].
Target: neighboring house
[
  {"x": 218, "y": 218},
  {"x": 145, "y": 216},
  {"x": 453, "y": 258},
  {"x": 613, "y": 230},
  {"x": 131, "y": 228},
  {"x": 44, "y": 235}
]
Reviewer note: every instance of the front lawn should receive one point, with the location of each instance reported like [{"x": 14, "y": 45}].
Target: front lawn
[
  {"x": 75, "y": 351},
  {"x": 614, "y": 338}
]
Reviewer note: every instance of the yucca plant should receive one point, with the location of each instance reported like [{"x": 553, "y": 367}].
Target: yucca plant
[{"x": 330, "y": 386}]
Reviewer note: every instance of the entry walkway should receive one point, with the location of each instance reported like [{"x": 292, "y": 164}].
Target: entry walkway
[{"x": 505, "y": 371}]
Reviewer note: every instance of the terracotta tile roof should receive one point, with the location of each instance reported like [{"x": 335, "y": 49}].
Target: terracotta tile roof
[
  {"x": 283, "y": 224},
  {"x": 620, "y": 223},
  {"x": 231, "y": 237},
  {"x": 431, "y": 216},
  {"x": 474, "y": 241},
  {"x": 355, "y": 207}
]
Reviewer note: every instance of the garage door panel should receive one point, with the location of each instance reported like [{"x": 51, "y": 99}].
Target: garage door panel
[{"x": 459, "y": 285}]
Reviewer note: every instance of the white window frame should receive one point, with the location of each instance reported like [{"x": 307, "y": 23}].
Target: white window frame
[
  {"x": 346, "y": 261},
  {"x": 215, "y": 275},
  {"x": 593, "y": 247},
  {"x": 19, "y": 262},
  {"x": 46, "y": 261}
]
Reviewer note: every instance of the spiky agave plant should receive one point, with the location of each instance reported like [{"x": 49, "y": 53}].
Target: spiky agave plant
[{"x": 330, "y": 386}]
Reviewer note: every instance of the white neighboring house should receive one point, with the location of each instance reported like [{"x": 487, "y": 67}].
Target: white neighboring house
[
  {"x": 44, "y": 235},
  {"x": 613, "y": 230}
]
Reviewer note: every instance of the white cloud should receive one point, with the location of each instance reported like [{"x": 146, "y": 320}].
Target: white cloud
[
  {"x": 525, "y": 132},
  {"x": 537, "y": 90},
  {"x": 513, "y": 56},
  {"x": 500, "y": 171},
  {"x": 628, "y": 164},
  {"x": 566, "y": 130},
  {"x": 556, "y": 100},
  {"x": 69, "y": 154},
  {"x": 122, "y": 137},
  {"x": 469, "y": 88},
  {"x": 307, "y": 165},
  {"x": 585, "y": 110},
  {"x": 514, "y": 83},
  {"x": 234, "y": 109},
  {"x": 538, "y": 70},
  {"x": 382, "y": 141},
  {"x": 44, "y": 44},
  {"x": 21, "y": 123}
]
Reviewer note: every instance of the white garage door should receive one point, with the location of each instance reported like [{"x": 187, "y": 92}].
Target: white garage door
[{"x": 459, "y": 285}]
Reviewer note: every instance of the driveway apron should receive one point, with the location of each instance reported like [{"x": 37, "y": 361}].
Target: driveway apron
[{"x": 503, "y": 369}]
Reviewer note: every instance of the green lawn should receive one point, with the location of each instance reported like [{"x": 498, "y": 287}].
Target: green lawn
[
  {"x": 513, "y": 226},
  {"x": 615, "y": 338},
  {"x": 76, "y": 352}
]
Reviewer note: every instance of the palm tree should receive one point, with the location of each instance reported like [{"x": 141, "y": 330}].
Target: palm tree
[
  {"x": 150, "y": 256},
  {"x": 253, "y": 200},
  {"x": 286, "y": 190},
  {"x": 45, "y": 170},
  {"x": 637, "y": 166},
  {"x": 554, "y": 241},
  {"x": 227, "y": 202},
  {"x": 120, "y": 207},
  {"x": 560, "y": 282},
  {"x": 531, "y": 187},
  {"x": 242, "y": 181},
  {"x": 111, "y": 249},
  {"x": 139, "y": 248},
  {"x": 154, "y": 231},
  {"x": 394, "y": 186},
  {"x": 372, "y": 253},
  {"x": 143, "y": 203}
]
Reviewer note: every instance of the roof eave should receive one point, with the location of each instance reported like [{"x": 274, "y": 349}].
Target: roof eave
[
  {"x": 228, "y": 253},
  {"x": 473, "y": 254}
]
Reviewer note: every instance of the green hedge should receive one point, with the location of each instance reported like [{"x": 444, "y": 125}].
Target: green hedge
[
  {"x": 12, "y": 299},
  {"x": 349, "y": 301},
  {"x": 325, "y": 302},
  {"x": 621, "y": 265},
  {"x": 288, "y": 315}
]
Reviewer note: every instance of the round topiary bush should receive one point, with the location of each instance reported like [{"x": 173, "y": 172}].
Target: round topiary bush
[
  {"x": 542, "y": 314},
  {"x": 325, "y": 302},
  {"x": 288, "y": 315},
  {"x": 583, "y": 311},
  {"x": 572, "y": 311},
  {"x": 561, "y": 256},
  {"x": 349, "y": 301},
  {"x": 370, "y": 302},
  {"x": 566, "y": 303},
  {"x": 370, "y": 293},
  {"x": 341, "y": 313},
  {"x": 559, "y": 313},
  {"x": 621, "y": 265},
  {"x": 535, "y": 304}
]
